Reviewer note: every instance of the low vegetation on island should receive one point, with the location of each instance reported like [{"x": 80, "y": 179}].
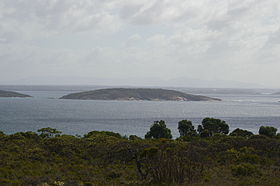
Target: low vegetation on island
[
  {"x": 4, "y": 93},
  {"x": 207, "y": 155},
  {"x": 137, "y": 94}
]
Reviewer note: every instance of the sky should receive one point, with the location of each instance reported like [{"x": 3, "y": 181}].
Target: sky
[{"x": 140, "y": 41}]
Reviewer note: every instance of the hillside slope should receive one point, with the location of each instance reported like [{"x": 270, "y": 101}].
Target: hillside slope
[
  {"x": 4, "y": 93},
  {"x": 137, "y": 94}
]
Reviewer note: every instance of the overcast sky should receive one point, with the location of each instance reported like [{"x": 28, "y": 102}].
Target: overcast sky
[{"x": 231, "y": 40}]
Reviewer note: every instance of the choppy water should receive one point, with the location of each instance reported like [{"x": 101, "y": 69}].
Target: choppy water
[{"x": 131, "y": 117}]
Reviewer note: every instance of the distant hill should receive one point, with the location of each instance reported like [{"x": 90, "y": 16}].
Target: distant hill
[
  {"x": 137, "y": 94},
  {"x": 4, "y": 93}
]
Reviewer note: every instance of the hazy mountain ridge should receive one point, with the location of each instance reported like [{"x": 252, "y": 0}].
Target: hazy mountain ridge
[{"x": 137, "y": 94}]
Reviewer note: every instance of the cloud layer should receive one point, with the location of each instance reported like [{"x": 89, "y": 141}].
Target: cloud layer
[{"x": 207, "y": 39}]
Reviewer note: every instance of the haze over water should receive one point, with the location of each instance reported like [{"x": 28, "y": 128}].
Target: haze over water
[{"x": 244, "y": 110}]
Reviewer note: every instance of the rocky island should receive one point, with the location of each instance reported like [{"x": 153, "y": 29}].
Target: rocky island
[
  {"x": 147, "y": 94},
  {"x": 7, "y": 94}
]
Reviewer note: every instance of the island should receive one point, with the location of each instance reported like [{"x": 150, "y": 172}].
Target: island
[
  {"x": 7, "y": 94},
  {"x": 147, "y": 94}
]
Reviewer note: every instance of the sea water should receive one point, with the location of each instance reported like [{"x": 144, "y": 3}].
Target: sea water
[{"x": 44, "y": 109}]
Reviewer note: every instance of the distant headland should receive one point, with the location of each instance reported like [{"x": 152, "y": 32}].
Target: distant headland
[
  {"x": 147, "y": 94},
  {"x": 7, "y": 94}
]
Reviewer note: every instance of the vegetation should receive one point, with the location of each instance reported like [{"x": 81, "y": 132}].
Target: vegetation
[
  {"x": 159, "y": 130},
  {"x": 241, "y": 132},
  {"x": 107, "y": 158},
  {"x": 48, "y": 132},
  {"x": 211, "y": 126},
  {"x": 186, "y": 128},
  {"x": 268, "y": 131}
]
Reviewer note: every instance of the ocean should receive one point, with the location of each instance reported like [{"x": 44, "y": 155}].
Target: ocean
[{"x": 243, "y": 109}]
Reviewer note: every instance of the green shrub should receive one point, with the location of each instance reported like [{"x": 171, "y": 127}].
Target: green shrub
[
  {"x": 213, "y": 126},
  {"x": 159, "y": 130},
  {"x": 134, "y": 137},
  {"x": 186, "y": 128},
  {"x": 241, "y": 132},
  {"x": 244, "y": 169},
  {"x": 48, "y": 132},
  {"x": 267, "y": 131},
  {"x": 2, "y": 133},
  {"x": 106, "y": 133}
]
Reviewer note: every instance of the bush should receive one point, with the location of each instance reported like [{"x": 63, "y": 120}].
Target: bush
[
  {"x": 186, "y": 128},
  {"x": 241, "y": 132},
  {"x": 267, "y": 131},
  {"x": 159, "y": 130},
  {"x": 48, "y": 132},
  {"x": 213, "y": 126},
  {"x": 107, "y": 158},
  {"x": 134, "y": 137},
  {"x": 105, "y": 133},
  {"x": 244, "y": 169}
]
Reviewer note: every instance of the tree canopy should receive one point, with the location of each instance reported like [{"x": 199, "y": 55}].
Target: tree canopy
[
  {"x": 211, "y": 126},
  {"x": 108, "y": 158},
  {"x": 186, "y": 128},
  {"x": 48, "y": 132},
  {"x": 241, "y": 132},
  {"x": 267, "y": 131},
  {"x": 159, "y": 130}
]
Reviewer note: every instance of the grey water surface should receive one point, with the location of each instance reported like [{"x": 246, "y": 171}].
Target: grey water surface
[{"x": 44, "y": 109}]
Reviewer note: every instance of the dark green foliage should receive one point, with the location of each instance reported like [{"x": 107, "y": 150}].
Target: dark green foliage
[
  {"x": 159, "y": 130},
  {"x": 163, "y": 164},
  {"x": 107, "y": 158},
  {"x": 186, "y": 128},
  {"x": 29, "y": 134},
  {"x": 48, "y": 132},
  {"x": 2, "y": 133},
  {"x": 243, "y": 155},
  {"x": 134, "y": 137},
  {"x": 213, "y": 126},
  {"x": 98, "y": 133},
  {"x": 267, "y": 131},
  {"x": 199, "y": 129},
  {"x": 244, "y": 169},
  {"x": 204, "y": 133},
  {"x": 241, "y": 132}
]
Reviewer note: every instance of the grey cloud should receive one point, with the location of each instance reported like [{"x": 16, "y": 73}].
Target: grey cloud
[
  {"x": 140, "y": 38},
  {"x": 51, "y": 16},
  {"x": 274, "y": 38}
]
